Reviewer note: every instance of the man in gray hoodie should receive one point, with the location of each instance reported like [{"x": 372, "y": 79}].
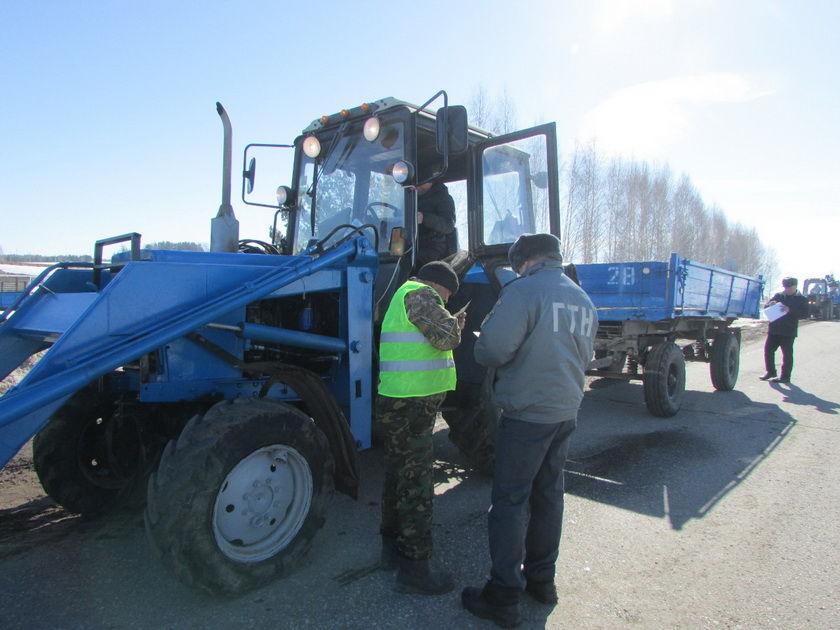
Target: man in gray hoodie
[{"x": 539, "y": 338}]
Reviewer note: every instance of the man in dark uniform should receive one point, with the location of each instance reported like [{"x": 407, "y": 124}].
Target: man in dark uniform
[
  {"x": 436, "y": 222},
  {"x": 781, "y": 333},
  {"x": 416, "y": 369},
  {"x": 539, "y": 337}
]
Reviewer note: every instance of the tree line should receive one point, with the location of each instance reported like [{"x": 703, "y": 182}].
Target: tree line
[
  {"x": 188, "y": 246},
  {"x": 615, "y": 209}
]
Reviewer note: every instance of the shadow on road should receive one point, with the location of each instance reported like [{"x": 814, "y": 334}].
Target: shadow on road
[
  {"x": 796, "y": 396},
  {"x": 674, "y": 468}
]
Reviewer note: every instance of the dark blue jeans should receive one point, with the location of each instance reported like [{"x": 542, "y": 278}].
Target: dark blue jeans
[{"x": 526, "y": 517}]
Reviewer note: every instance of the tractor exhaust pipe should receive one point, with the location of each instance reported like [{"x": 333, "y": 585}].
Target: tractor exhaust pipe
[{"x": 224, "y": 229}]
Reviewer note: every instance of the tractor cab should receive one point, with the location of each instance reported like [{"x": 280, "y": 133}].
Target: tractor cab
[{"x": 356, "y": 172}]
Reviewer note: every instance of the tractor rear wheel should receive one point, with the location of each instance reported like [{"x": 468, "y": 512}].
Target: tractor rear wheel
[
  {"x": 472, "y": 425},
  {"x": 238, "y": 498},
  {"x": 664, "y": 379},
  {"x": 89, "y": 457}
]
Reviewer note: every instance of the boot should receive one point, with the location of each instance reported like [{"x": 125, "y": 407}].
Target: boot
[
  {"x": 543, "y": 592},
  {"x": 389, "y": 558},
  {"x": 496, "y": 603},
  {"x": 767, "y": 376},
  {"x": 416, "y": 576}
]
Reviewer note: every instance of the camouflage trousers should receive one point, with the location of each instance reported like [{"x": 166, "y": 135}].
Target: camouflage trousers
[{"x": 408, "y": 489}]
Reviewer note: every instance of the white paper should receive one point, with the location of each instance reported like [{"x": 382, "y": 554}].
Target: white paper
[{"x": 774, "y": 311}]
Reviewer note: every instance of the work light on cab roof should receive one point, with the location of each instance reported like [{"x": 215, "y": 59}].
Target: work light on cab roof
[
  {"x": 312, "y": 147},
  {"x": 371, "y": 129}
]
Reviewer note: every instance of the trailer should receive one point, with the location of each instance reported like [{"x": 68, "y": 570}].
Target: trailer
[{"x": 655, "y": 315}]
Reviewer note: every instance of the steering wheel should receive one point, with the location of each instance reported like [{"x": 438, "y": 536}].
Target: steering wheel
[{"x": 371, "y": 216}]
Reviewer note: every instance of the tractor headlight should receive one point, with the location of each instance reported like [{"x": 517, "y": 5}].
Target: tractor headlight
[
  {"x": 284, "y": 195},
  {"x": 311, "y": 147},
  {"x": 402, "y": 172},
  {"x": 371, "y": 129}
]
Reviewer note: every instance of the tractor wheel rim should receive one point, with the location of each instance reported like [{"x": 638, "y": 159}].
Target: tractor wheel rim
[{"x": 262, "y": 503}]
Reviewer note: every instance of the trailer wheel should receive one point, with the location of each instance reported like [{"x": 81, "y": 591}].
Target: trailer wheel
[
  {"x": 238, "y": 498},
  {"x": 87, "y": 457},
  {"x": 664, "y": 379},
  {"x": 725, "y": 361}
]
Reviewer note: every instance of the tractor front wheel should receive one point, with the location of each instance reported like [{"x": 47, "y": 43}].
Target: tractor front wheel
[{"x": 239, "y": 497}]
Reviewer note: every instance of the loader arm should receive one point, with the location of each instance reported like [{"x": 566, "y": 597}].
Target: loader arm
[{"x": 145, "y": 306}]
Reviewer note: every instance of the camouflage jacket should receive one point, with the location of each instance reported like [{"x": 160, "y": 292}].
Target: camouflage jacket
[{"x": 425, "y": 311}]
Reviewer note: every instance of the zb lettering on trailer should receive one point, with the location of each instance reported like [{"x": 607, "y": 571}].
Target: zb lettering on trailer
[
  {"x": 625, "y": 276},
  {"x": 585, "y": 315}
]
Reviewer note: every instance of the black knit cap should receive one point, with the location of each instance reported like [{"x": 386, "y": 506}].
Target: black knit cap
[
  {"x": 530, "y": 246},
  {"x": 789, "y": 282},
  {"x": 440, "y": 273}
]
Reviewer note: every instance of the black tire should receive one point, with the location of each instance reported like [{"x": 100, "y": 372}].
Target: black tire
[
  {"x": 86, "y": 457},
  {"x": 197, "y": 514},
  {"x": 664, "y": 379},
  {"x": 472, "y": 425},
  {"x": 725, "y": 361}
]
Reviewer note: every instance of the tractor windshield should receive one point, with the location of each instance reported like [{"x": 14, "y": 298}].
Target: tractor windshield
[{"x": 350, "y": 184}]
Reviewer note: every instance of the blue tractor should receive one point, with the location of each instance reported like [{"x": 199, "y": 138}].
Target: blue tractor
[{"x": 232, "y": 389}]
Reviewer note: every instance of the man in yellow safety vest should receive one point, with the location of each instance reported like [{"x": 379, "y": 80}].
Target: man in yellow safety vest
[{"x": 416, "y": 369}]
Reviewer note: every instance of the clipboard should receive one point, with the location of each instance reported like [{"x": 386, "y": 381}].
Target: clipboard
[{"x": 774, "y": 311}]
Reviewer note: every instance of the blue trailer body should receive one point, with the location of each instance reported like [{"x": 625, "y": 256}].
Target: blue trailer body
[{"x": 654, "y": 291}]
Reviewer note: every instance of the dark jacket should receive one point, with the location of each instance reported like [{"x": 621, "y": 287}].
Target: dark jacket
[
  {"x": 539, "y": 337},
  {"x": 438, "y": 224},
  {"x": 787, "y": 325}
]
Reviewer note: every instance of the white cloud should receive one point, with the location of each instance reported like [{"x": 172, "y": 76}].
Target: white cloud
[{"x": 644, "y": 119}]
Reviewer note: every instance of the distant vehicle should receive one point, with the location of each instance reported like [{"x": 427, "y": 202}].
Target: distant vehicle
[{"x": 823, "y": 297}]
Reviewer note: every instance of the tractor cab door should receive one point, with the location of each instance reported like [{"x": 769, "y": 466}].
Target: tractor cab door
[{"x": 514, "y": 190}]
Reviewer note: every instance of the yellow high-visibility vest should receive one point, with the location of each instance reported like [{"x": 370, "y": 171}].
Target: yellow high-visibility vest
[{"x": 409, "y": 365}]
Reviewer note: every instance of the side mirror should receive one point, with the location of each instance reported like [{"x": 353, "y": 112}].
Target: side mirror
[
  {"x": 274, "y": 165},
  {"x": 451, "y": 129},
  {"x": 250, "y": 174}
]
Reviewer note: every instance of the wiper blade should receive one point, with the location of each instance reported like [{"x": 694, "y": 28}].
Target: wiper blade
[{"x": 325, "y": 161}]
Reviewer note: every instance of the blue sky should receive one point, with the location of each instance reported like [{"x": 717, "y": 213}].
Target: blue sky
[{"x": 108, "y": 121}]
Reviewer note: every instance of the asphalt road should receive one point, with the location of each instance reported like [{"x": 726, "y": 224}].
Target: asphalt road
[{"x": 722, "y": 517}]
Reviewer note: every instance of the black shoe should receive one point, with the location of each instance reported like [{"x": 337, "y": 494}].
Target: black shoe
[
  {"x": 780, "y": 379},
  {"x": 389, "y": 558},
  {"x": 766, "y": 377},
  {"x": 477, "y": 601},
  {"x": 543, "y": 592},
  {"x": 416, "y": 576}
]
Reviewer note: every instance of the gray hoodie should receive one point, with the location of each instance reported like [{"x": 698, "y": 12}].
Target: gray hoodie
[{"x": 539, "y": 336}]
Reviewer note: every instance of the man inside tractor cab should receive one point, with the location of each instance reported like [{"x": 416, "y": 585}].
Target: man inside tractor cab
[{"x": 435, "y": 222}]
